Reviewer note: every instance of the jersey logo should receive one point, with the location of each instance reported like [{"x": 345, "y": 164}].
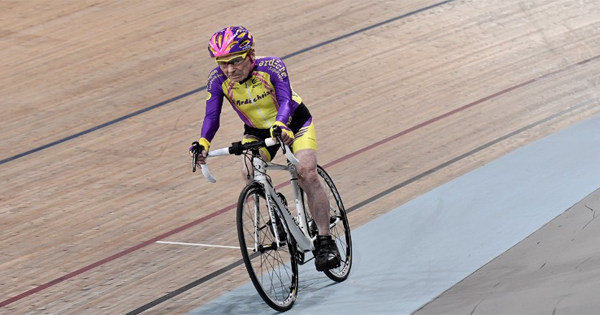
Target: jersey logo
[{"x": 254, "y": 100}]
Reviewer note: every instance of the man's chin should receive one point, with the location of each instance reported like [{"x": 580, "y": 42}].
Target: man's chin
[{"x": 234, "y": 77}]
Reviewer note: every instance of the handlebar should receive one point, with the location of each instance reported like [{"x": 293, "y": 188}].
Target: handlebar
[{"x": 237, "y": 148}]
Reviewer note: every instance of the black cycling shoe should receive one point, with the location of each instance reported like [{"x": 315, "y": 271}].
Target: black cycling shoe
[{"x": 326, "y": 253}]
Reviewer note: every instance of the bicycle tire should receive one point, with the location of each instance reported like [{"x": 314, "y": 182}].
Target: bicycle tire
[
  {"x": 272, "y": 269},
  {"x": 339, "y": 228}
]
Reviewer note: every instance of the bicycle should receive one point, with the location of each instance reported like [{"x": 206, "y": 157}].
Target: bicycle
[{"x": 272, "y": 240}]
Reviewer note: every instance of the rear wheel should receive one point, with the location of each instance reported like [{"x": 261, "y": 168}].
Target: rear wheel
[
  {"x": 272, "y": 267},
  {"x": 339, "y": 228}
]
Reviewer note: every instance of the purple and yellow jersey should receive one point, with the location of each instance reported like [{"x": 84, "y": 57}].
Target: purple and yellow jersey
[{"x": 265, "y": 97}]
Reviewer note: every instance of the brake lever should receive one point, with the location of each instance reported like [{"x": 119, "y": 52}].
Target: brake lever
[
  {"x": 277, "y": 135},
  {"x": 195, "y": 149}
]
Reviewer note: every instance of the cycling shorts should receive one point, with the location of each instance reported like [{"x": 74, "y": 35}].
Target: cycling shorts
[{"x": 302, "y": 125}]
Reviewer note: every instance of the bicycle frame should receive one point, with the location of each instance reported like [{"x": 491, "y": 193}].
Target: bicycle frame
[
  {"x": 296, "y": 226},
  {"x": 274, "y": 241}
]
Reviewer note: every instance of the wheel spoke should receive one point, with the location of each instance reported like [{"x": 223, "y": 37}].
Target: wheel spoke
[{"x": 273, "y": 269}]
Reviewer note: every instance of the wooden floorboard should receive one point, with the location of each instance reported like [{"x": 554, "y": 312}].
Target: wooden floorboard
[{"x": 86, "y": 188}]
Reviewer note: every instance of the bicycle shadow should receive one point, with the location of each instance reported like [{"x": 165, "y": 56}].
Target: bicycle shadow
[{"x": 245, "y": 299}]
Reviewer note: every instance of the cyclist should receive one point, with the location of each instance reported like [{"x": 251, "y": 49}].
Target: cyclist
[{"x": 259, "y": 90}]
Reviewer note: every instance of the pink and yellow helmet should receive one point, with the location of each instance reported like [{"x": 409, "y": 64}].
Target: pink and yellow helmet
[{"x": 230, "y": 40}]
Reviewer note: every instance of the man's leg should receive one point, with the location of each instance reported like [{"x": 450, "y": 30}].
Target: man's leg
[
  {"x": 316, "y": 197},
  {"x": 327, "y": 255}
]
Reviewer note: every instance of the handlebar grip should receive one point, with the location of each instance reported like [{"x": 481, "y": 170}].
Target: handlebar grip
[
  {"x": 196, "y": 149},
  {"x": 207, "y": 174},
  {"x": 289, "y": 155}
]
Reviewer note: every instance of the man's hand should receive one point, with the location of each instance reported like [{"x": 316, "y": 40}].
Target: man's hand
[
  {"x": 203, "y": 151},
  {"x": 287, "y": 136}
]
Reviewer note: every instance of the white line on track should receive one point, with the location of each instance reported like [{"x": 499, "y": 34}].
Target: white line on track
[{"x": 196, "y": 244}]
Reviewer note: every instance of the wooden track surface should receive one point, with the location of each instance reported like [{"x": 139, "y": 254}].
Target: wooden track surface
[{"x": 100, "y": 100}]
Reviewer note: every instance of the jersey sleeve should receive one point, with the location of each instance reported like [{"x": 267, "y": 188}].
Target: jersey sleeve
[
  {"x": 214, "y": 104},
  {"x": 283, "y": 89}
]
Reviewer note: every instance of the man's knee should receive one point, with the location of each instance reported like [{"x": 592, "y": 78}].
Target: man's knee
[
  {"x": 307, "y": 169},
  {"x": 307, "y": 173},
  {"x": 308, "y": 178}
]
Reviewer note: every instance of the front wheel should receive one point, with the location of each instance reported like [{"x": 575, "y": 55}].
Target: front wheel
[
  {"x": 272, "y": 267},
  {"x": 338, "y": 227}
]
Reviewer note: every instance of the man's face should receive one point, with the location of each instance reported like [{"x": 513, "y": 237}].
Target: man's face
[{"x": 236, "y": 67}]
